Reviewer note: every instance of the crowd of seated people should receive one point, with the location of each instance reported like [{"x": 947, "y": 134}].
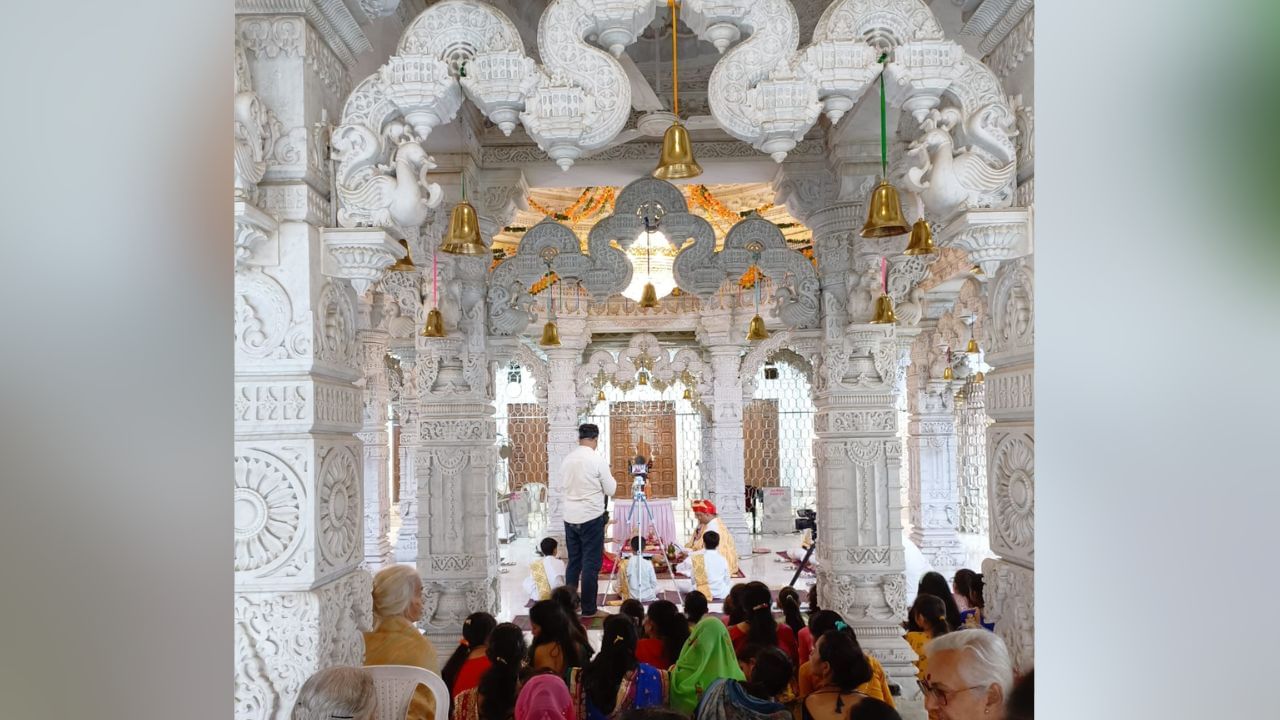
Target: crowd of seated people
[{"x": 661, "y": 663}]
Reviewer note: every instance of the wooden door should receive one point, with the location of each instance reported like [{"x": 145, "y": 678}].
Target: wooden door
[
  {"x": 527, "y": 430},
  {"x": 760, "y": 443},
  {"x": 649, "y": 429}
]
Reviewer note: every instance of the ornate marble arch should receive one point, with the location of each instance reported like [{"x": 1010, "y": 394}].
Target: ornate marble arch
[
  {"x": 785, "y": 346},
  {"x": 645, "y": 352},
  {"x": 550, "y": 245},
  {"x": 533, "y": 361}
]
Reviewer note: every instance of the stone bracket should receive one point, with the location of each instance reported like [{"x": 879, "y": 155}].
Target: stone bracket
[
  {"x": 361, "y": 255},
  {"x": 257, "y": 242},
  {"x": 989, "y": 236}
]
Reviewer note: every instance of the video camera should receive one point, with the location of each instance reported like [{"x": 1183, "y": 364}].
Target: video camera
[
  {"x": 639, "y": 473},
  {"x": 807, "y": 519}
]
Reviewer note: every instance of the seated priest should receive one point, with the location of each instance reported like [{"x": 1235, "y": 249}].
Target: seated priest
[
  {"x": 707, "y": 569},
  {"x": 636, "y": 578},
  {"x": 546, "y": 572},
  {"x": 708, "y": 520}
]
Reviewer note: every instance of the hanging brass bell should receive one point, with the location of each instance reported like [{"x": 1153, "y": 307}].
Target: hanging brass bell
[
  {"x": 676, "y": 161},
  {"x": 550, "y": 335},
  {"x": 404, "y": 264},
  {"x": 600, "y": 396},
  {"x": 884, "y": 311},
  {"x": 435, "y": 324},
  {"x": 921, "y": 239},
  {"x": 884, "y": 213},
  {"x": 687, "y": 395},
  {"x": 972, "y": 347},
  {"x": 756, "y": 330},
  {"x": 948, "y": 374},
  {"x": 643, "y": 379},
  {"x": 649, "y": 296},
  {"x": 960, "y": 398},
  {"x": 979, "y": 377},
  {"x": 463, "y": 237}
]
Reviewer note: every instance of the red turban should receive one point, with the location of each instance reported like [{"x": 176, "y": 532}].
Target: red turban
[{"x": 704, "y": 506}]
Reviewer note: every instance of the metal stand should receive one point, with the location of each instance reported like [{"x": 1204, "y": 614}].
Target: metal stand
[
  {"x": 635, "y": 528},
  {"x": 807, "y": 554}
]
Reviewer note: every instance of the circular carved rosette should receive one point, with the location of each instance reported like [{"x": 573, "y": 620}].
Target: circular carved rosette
[
  {"x": 1013, "y": 491},
  {"x": 262, "y": 314},
  {"x": 339, "y": 507},
  {"x": 268, "y": 506}
]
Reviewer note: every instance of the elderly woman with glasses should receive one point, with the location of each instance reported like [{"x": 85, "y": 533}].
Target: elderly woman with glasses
[{"x": 969, "y": 676}]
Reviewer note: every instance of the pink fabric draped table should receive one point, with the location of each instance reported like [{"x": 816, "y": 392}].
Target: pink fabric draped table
[{"x": 663, "y": 524}]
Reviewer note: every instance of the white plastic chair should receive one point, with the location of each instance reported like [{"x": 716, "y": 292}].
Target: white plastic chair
[{"x": 395, "y": 685}]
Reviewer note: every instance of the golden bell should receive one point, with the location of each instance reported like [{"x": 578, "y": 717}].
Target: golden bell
[
  {"x": 404, "y": 264},
  {"x": 643, "y": 380},
  {"x": 960, "y": 398},
  {"x": 972, "y": 347},
  {"x": 435, "y": 324},
  {"x": 649, "y": 296},
  {"x": 676, "y": 161},
  {"x": 884, "y": 213},
  {"x": 884, "y": 311},
  {"x": 948, "y": 374},
  {"x": 463, "y": 237},
  {"x": 600, "y": 396},
  {"x": 756, "y": 330},
  {"x": 979, "y": 378},
  {"x": 921, "y": 239},
  {"x": 550, "y": 335},
  {"x": 687, "y": 395}
]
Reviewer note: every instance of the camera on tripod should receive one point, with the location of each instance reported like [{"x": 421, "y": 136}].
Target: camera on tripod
[
  {"x": 639, "y": 474},
  {"x": 807, "y": 519}
]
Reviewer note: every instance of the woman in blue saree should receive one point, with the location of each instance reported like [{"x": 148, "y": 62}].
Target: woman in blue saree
[{"x": 614, "y": 682}]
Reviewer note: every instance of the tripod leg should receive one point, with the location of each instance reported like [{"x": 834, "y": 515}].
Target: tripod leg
[
  {"x": 631, "y": 510},
  {"x": 807, "y": 554}
]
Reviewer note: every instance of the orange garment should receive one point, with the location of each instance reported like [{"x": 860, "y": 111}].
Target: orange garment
[
  {"x": 917, "y": 640},
  {"x": 877, "y": 687}
]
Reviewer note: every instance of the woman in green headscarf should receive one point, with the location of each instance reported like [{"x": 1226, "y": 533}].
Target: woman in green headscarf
[{"x": 706, "y": 657}]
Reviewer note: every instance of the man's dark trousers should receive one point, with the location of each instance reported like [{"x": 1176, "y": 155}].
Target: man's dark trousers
[{"x": 586, "y": 548}]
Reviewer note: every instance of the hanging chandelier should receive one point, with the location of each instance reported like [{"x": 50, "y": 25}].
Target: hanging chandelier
[{"x": 676, "y": 161}]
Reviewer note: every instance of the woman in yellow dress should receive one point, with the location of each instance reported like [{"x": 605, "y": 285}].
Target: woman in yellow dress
[{"x": 397, "y": 605}]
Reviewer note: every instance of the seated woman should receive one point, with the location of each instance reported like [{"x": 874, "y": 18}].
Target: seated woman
[
  {"x": 840, "y": 667},
  {"x": 345, "y": 692},
  {"x": 571, "y": 603},
  {"x": 705, "y": 658},
  {"x": 961, "y": 583},
  {"x": 545, "y": 697},
  {"x": 872, "y": 709},
  {"x": 934, "y": 584},
  {"x": 665, "y": 631},
  {"x": 756, "y": 699},
  {"x": 695, "y": 607},
  {"x": 494, "y": 698},
  {"x": 546, "y": 572},
  {"x": 759, "y": 625},
  {"x": 789, "y": 603},
  {"x": 397, "y": 605},
  {"x": 633, "y": 609},
  {"x": 822, "y": 622},
  {"x": 929, "y": 613},
  {"x": 636, "y": 578},
  {"x": 614, "y": 681},
  {"x": 468, "y": 662},
  {"x": 554, "y": 646},
  {"x": 804, "y": 638},
  {"x": 972, "y": 617}
]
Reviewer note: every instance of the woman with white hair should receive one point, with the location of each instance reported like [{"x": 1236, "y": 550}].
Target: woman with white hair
[
  {"x": 336, "y": 692},
  {"x": 397, "y": 605},
  {"x": 969, "y": 676}
]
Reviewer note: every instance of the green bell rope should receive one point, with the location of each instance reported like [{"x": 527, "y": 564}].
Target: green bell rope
[{"x": 884, "y": 135}]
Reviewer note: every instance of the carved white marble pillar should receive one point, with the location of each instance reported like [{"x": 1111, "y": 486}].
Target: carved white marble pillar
[
  {"x": 722, "y": 334},
  {"x": 406, "y": 545},
  {"x": 562, "y": 408},
  {"x": 935, "y": 501},
  {"x": 858, "y": 453},
  {"x": 455, "y": 455},
  {"x": 374, "y": 342},
  {"x": 1010, "y": 579},
  {"x": 301, "y": 600}
]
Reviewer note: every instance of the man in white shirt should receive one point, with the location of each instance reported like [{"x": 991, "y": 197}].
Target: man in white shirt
[
  {"x": 707, "y": 570},
  {"x": 586, "y": 484},
  {"x": 546, "y": 573}
]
